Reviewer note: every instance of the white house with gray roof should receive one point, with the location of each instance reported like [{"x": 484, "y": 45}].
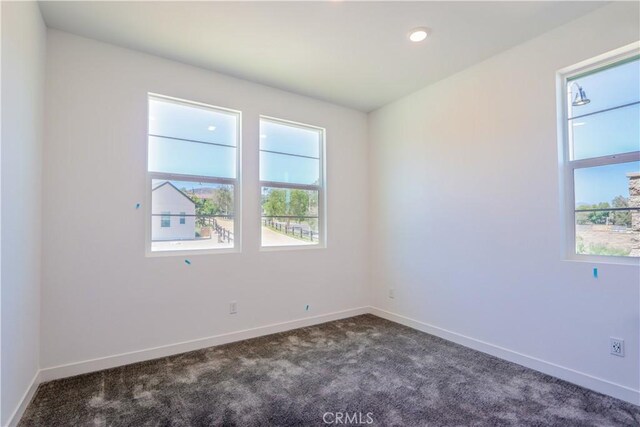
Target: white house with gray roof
[{"x": 173, "y": 214}]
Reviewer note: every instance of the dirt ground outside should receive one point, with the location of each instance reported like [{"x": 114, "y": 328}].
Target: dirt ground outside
[
  {"x": 603, "y": 240},
  {"x": 275, "y": 238}
]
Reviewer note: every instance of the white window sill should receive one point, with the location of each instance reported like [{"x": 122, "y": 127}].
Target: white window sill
[
  {"x": 191, "y": 252},
  {"x": 291, "y": 248},
  {"x": 603, "y": 259}
]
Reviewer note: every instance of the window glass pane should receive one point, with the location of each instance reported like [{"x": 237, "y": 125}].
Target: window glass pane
[
  {"x": 289, "y": 217},
  {"x": 206, "y": 208},
  {"x": 612, "y": 132},
  {"x": 188, "y": 158},
  {"x": 289, "y": 169},
  {"x": 599, "y": 230},
  {"x": 601, "y": 185},
  {"x": 607, "y": 233},
  {"x": 165, "y": 220},
  {"x": 284, "y": 138},
  {"x": 199, "y": 123},
  {"x": 610, "y": 87}
]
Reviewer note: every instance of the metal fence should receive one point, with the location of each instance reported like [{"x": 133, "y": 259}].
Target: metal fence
[
  {"x": 292, "y": 229},
  {"x": 221, "y": 231}
]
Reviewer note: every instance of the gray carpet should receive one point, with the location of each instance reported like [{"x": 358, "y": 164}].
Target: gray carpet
[{"x": 358, "y": 369}]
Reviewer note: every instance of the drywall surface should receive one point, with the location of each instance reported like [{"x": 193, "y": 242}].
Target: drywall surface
[
  {"x": 101, "y": 296},
  {"x": 23, "y": 68},
  {"x": 467, "y": 221}
]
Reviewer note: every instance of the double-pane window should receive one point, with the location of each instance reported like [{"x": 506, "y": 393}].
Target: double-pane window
[
  {"x": 292, "y": 196},
  {"x": 603, "y": 162},
  {"x": 193, "y": 175}
]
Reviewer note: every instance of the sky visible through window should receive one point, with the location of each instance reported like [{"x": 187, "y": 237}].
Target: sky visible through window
[
  {"x": 603, "y": 183},
  {"x": 185, "y": 140},
  {"x": 289, "y": 153},
  {"x": 187, "y": 124},
  {"x": 612, "y": 132}
]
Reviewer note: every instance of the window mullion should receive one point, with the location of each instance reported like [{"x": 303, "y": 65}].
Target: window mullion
[
  {"x": 605, "y": 160},
  {"x": 192, "y": 178},
  {"x": 287, "y": 185}
]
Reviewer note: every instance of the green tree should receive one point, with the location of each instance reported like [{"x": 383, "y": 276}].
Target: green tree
[
  {"x": 299, "y": 204},
  {"x": 275, "y": 203},
  {"x": 204, "y": 209},
  {"x": 224, "y": 200},
  {"x": 621, "y": 217},
  {"x": 598, "y": 217}
]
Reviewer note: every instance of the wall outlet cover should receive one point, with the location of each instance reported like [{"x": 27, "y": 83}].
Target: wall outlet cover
[{"x": 616, "y": 346}]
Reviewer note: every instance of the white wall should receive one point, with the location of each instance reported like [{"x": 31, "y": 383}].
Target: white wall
[
  {"x": 23, "y": 61},
  {"x": 467, "y": 221},
  {"x": 101, "y": 296}
]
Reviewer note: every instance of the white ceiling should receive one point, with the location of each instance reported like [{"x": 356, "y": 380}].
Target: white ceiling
[{"x": 351, "y": 53}]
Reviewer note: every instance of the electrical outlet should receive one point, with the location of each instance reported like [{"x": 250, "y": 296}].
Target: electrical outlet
[
  {"x": 233, "y": 307},
  {"x": 616, "y": 346},
  {"x": 392, "y": 293}
]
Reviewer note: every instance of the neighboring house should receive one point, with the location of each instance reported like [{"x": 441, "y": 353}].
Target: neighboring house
[{"x": 177, "y": 221}]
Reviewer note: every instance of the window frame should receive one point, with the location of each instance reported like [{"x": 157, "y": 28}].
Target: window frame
[
  {"x": 321, "y": 188},
  {"x": 235, "y": 183},
  {"x": 568, "y": 165}
]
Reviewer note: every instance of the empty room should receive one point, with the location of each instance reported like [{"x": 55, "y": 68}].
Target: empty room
[{"x": 316, "y": 213}]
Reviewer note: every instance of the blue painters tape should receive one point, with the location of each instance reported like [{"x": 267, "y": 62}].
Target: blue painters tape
[
  {"x": 307, "y": 307},
  {"x": 595, "y": 273},
  {"x": 137, "y": 205},
  {"x": 186, "y": 261}
]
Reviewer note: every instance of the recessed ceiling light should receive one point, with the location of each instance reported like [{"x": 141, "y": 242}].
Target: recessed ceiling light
[
  {"x": 211, "y": 128},
  {"x": 418, "y": 34}
]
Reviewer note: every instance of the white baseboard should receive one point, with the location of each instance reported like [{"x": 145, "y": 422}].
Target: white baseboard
[
  {"x": 77, "y": 368},
  {"x": 24, "y": 402},
  {"x": 576, "y": 377}
]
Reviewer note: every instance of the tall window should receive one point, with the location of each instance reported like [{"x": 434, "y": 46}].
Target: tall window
[
  {"x": 193, "y": 175},
  {"x": 602, "y": 152},
  {"x": 291, "y": 175}
]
